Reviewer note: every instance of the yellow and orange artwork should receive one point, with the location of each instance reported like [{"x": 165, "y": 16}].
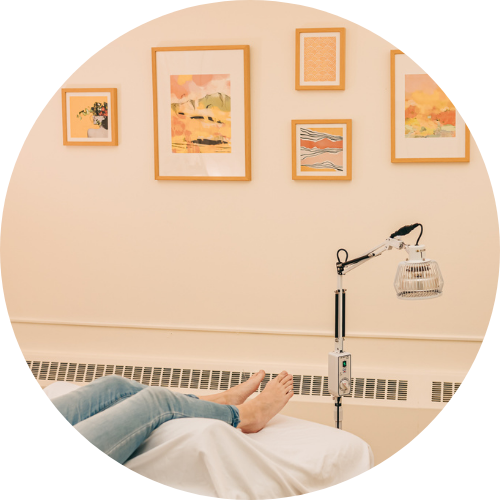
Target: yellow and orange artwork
[
  {"x": 80, "y": 126},
  {"x": 321, "y": 149},
  {"x": 320, "y": 59},
  {"x": 200, "y": 113},
  {"x": 428, "y": 111}
]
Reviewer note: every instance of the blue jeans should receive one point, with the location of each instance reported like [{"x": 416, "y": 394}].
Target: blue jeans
[{"x": 116, "y": 414}]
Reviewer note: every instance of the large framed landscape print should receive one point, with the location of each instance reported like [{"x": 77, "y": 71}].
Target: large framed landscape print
[
  {"x": 425, "y": 125},
  {"x": 201, "y": 99}
]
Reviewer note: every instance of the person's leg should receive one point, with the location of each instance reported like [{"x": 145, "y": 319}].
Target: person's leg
[
  {"x": 119, "y": 430},
  {"x": 107, "y": 391},
  {"x": 95, "y": 397}
]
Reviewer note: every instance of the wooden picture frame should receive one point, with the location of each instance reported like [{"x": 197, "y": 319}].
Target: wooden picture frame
[
  {"x": 425, "y": 126},
  {"x": 322, "y": 150},
  {"x": 320, "y": 59},
  {"x": 90, "y": 117},
  {"x": 201, "y": 103}
]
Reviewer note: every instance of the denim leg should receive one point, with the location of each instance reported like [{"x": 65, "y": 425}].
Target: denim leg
[
  {"x": 119, "y": 430},
  {"x": 95, "y": 397}
]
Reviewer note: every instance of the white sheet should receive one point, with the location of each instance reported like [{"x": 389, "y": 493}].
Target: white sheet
[{"x": 288, "y": 457}]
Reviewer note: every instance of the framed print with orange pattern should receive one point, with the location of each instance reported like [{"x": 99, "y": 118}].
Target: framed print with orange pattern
[{"x": 320, "y": 59}]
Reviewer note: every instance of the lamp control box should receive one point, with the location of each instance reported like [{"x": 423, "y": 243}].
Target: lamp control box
[{"x": 339, "y": 373}]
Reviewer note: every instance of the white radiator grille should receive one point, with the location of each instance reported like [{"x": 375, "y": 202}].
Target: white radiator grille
[
  {"x": 214, "y": 380},
  {"x": 375, "y": 388},
  {"x": 442, "y": 392}
]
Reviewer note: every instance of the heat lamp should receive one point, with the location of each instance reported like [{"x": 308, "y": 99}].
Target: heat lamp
[{"x": 416, "y": 278}]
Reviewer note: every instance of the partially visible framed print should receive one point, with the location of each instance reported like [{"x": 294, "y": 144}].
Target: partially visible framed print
[
  {"x": 321, "y": 150},
  {"x": 320, "y": 59},
  {"x": 425, "y": 126},
  {"x": 89, "y": 117},
  {"x": 201, "y": 101}
]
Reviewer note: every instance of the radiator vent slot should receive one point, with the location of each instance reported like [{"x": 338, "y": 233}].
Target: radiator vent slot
[
  {"x": 221, "y": 380},
  {"x": 442, "y": 392},
  {"x": 372, "y": 388}
]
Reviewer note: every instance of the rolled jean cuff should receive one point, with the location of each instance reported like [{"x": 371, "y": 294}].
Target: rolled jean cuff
[{"x": 236, "y": 415}]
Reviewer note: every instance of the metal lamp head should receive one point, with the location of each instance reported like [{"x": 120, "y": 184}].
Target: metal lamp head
[{"x": 418, "y": 278}]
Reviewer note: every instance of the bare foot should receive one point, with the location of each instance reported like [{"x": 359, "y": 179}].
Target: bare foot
[
  {"x": 238, "y": 394},
  {"x": 255, "y": 413}
]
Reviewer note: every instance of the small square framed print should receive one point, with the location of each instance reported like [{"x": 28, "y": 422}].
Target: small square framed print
[
  {"x": 425, "y": 125},
  {"x": 320, "y": 59},
  {"x": 321, "y": 150},
  {"x": 89, "y": 117}
]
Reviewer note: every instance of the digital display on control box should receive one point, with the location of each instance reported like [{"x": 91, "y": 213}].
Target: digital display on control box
[{"x": 344, "y": 364}]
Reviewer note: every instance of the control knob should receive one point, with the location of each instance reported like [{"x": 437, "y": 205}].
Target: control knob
[{"x": 344, "y": 384}]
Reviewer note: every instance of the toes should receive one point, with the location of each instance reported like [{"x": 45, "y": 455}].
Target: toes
[
  {"x": 281, "y": 376},
  {"x": 287, "y": 379},
  {"x": 288, "y": 383},
  {"x": 258, "y": 374}
]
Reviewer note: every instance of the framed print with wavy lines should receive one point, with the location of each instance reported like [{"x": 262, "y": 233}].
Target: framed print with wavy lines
[
  {"x": 320, "y": 59},
  {"x": 321, "y": 150}
]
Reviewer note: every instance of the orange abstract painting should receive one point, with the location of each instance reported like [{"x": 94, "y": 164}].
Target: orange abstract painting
[
  {"x": 428, "y": 111},
  {"x": 200, "y": 113},
  {"x": 321, "y": 149},
  {"x": 320, "y": 59}
]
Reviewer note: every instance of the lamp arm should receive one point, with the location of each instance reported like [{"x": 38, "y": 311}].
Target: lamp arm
[{"x": 348, "y": 265}]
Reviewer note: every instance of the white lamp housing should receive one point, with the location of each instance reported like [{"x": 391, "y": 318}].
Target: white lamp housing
[{"x": 418, "y": 278}]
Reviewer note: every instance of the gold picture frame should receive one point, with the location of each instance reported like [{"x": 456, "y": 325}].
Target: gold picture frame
[
  {"x": 425, "y": 126},
  {"x": 201, "y": 108},
  {"x": 320, "y": 58},
  {"x": 322, "y": 150},
  {"x": 90, "y": 116}
]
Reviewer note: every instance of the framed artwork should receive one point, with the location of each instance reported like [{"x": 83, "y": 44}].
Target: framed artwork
[
  {"x": 320, "y": 59},
  {"x": 201, "y": 102},
  {"x": 321, "y": 150},
  {"x": 89, "y": 117},
  {"x": 425, "y": 126}
]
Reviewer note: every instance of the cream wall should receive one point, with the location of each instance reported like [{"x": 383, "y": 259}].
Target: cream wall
[{"x": 90, "y": 238}]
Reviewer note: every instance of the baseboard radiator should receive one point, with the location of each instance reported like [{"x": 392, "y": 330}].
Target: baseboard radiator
[{"x": 375, "y": 390}]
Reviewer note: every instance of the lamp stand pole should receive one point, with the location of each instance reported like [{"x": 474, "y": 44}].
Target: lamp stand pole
[{"x": 339, "y": 341}]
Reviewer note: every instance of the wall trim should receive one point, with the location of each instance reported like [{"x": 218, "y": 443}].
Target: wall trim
[{"x": 197, "y": 329}]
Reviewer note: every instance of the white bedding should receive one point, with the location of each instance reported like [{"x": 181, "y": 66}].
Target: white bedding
[{"x": 208, "y": 457}]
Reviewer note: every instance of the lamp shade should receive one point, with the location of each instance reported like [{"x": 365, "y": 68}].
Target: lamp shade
[{"x": 418, "y": 277}]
